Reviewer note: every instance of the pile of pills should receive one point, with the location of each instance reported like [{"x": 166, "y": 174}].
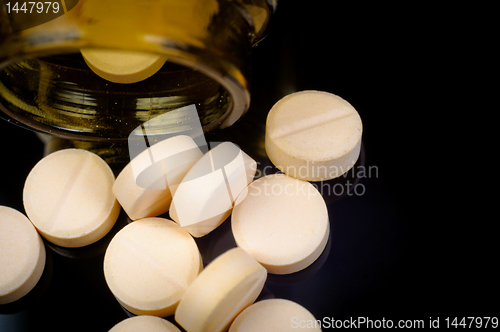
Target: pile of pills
[{"x": 153, "y": 266}]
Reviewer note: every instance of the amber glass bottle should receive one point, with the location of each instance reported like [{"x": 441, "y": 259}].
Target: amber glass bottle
[{"x": 46, "y": 85}]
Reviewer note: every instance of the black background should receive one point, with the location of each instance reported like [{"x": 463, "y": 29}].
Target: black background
[{"x": 415, "y": 245}]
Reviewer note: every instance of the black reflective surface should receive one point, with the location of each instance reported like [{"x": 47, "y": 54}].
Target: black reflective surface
[{"x": 397, "y": 249}]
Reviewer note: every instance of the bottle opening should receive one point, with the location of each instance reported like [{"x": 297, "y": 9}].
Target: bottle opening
[{"x": 62, "y": 96}]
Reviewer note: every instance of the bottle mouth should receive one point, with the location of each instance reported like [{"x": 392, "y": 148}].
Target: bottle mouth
[{"x": 60, "y": 95}]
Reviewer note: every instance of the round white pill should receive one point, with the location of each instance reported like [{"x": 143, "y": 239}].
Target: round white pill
[
  {"x": 68, "y": 197},
  {"x": 282, "y": 222},
  {"x": 215, "y": 181},
  {"x": 144, "y": 186},
  {"x": 146, "y": 324},
  {"x": 223, "y": 289},
  {"x": 149, "y": 264},
  {"x": 313, "y": 135},
  {"x": 121, "y": 66},
  {"x": 277, "y": 315},
  {"x": 22, "y": 255}
]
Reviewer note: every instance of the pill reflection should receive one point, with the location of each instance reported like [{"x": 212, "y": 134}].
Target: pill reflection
[
  {"x": 344, "y": 185},
  {"x": 308, "y": 272}
]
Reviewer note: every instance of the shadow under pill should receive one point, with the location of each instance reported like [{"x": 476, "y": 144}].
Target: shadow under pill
[
  {"x": 94, "y": 249},
  {"x": 216, "y": 242},
  {"x": 265, "y": 294},
  {"x": 128, "y": 313}
]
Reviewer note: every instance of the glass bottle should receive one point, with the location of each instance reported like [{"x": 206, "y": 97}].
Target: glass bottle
[{"x": 46, "y": 85}]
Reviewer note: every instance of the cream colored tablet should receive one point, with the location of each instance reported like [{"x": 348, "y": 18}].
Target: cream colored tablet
[
  {"x": 313, "y": 135},
  {"x": 68, "y": 197},
  {"x": 121, "y": 66},
  {"x": 144, "y": 186},
  {"x": 205, "y": 197},
  {"x": 223, "y": 289},
  {"x": 277, "y": 315},
  {"x": 145, "y": 324},
  {"x": 282, "y": 222},
  {"x": 149, "y": 264},
  {"x": 22, "y": 255}
]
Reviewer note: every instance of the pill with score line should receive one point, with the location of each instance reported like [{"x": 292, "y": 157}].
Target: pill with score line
[
  {"x": 313, "y": 135},
  {"x": 149, "y": 264},
  {"x": 69, "y": 199},
  {"x": 207, "y": 193}
]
